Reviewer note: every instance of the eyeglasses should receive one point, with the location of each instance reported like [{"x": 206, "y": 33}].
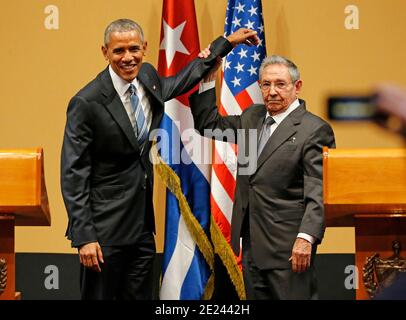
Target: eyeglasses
[{"x": 278, "y": 86}]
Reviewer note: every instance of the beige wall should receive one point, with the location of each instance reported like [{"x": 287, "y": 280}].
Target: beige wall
[{"x": 42, "y": 69}]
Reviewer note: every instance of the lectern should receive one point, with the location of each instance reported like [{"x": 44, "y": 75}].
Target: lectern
[
  {"x": 23, "y": 202},
  {"x": 366, "y": 189}
]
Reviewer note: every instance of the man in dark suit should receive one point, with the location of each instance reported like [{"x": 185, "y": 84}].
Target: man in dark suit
[
  {"x": 278, "y": 208},
  {"x": 106, "y": 175}
]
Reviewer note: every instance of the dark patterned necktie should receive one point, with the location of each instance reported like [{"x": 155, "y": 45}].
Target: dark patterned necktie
[
  {"x": 140, "y": 128},
  {"x": 265, "y": 134}
]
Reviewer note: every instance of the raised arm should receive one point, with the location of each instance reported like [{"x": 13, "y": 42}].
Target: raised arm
[{"x": 190, "y": 76}]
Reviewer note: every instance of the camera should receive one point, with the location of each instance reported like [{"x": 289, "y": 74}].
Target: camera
[
  {"x": 362, "y": 108},
  {"x": 347, "y": 108}
]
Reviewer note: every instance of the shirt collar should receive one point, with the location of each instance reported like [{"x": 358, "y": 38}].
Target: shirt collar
[
  {"x": 120, "y": 84},
  {"x": 281, "y": 116}
]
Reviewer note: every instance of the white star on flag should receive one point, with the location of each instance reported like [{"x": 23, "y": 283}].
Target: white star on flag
[
  {"x": 255, "y": 56},
  {"x": 236, "y": 81},
  {"x": 243, "y": 53},
  {"x": 236, "y": 22},
  {"x": 253, "y": 11},
  {"x": 252, "y": 70},
  {"x": 250, "y": 25},
  {"x": 239, "y": 67},
  {"x": 171, "y": 42},
  {"x": 240, "y": 7},
  {"x": 227, "y": 65}
]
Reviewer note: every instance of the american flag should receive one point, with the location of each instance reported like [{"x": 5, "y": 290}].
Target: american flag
[{"x": 239, "y": 90}]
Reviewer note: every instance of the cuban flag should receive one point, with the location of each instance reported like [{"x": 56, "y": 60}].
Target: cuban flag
[
  {"x": 188, "y": 253},
  {"x": 239, "y": 90}
]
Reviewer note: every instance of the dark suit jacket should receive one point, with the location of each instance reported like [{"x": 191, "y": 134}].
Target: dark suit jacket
[
  {"x": 106, "y": 180},
  {"x": 283, "y": 195}
]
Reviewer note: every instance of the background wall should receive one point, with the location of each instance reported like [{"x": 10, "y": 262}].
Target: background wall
[{"x": 42, "y": 69}]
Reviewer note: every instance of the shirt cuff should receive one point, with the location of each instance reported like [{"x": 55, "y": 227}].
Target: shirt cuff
[
  {"x": 204, "y": 86},
  {"x": 307, "y": 237}
]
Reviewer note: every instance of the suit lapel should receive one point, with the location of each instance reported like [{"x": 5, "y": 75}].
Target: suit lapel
[
  {"x": 156, "y": 102},
  {"x": 252, "y": 120},
  {"x": 284, "y": 131},
  {"x": 115, "y": 107},
  {"x": 151, "y": 86},
  {"x": 256, "y": 119}
]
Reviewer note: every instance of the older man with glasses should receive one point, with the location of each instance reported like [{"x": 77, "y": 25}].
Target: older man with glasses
[{"x": 278, "y": 210}]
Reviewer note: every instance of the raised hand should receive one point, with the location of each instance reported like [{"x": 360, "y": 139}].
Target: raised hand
[
  {"x": 243, "y": 35},
  {"x": 204, "y": 53}
]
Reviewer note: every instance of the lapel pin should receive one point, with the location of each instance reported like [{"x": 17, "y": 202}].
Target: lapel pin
[{"x": 154, "y": 87}]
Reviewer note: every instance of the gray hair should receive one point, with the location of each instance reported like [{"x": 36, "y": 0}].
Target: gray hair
[
  {"x": 274, "y": 59},
  {"x": 122, "y": 25}
]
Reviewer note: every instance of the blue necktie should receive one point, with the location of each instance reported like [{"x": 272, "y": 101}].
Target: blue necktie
[
  {"x": 140, "y": 128},
  {"x": 265, "y": 134}
]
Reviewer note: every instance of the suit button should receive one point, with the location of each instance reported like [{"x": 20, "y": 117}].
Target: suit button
[{"x": 144, "y": 186}]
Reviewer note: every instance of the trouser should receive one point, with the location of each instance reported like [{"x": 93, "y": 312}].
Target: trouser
[
  {"x": 126, "y": 274},
  {"x": 276, "y": 284}
]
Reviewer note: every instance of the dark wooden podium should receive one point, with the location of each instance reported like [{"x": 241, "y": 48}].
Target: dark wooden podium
[
  {"x": 366, "y": 189},
  {"x": 23, "y": 202}
]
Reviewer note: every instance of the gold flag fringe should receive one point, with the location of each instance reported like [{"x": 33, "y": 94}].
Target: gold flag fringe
[
  {"x": 172, "y": 182},
  {"x": 226, "y": 254},
  {"x": 208, "y": 291}
]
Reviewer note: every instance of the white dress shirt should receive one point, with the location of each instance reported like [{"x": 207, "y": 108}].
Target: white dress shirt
[
  {"x": 121, "y": 87},
  {"x": 281, "y": 116}
]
